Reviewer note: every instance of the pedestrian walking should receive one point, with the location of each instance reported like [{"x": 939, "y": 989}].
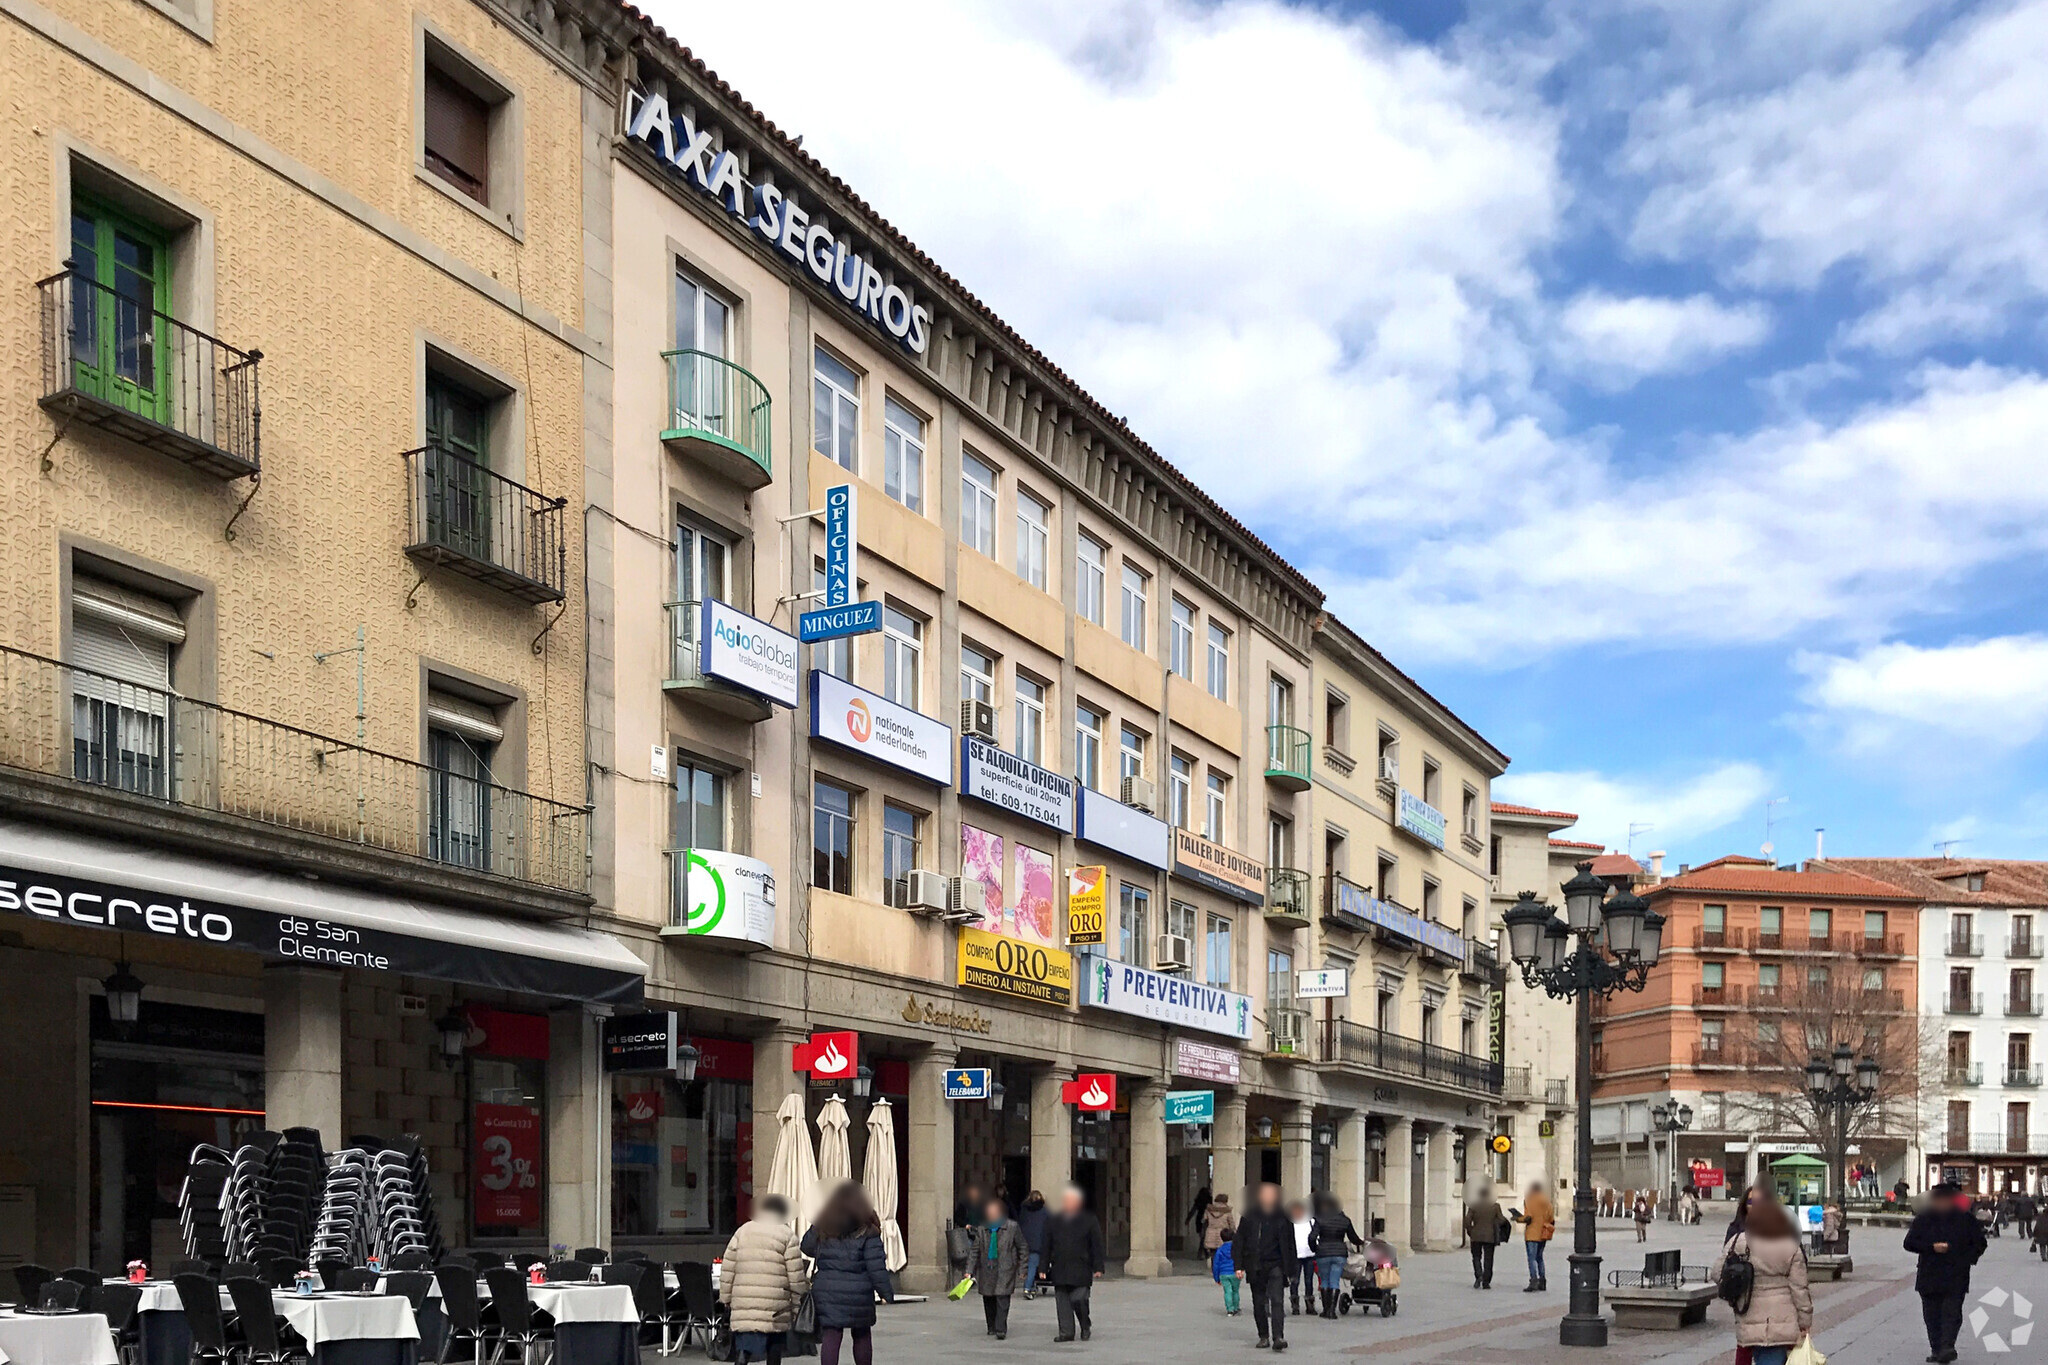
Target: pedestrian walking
[
  {"x": 1219, "y": 1223},
  {"x": 1198, "y": 1210},
  {"x": 1331, "y": 1240},
  {"x": 1833, "y": 1225},
  {"x": 960, "y": 1239},
  {"x": 849, "y": 1269},
  {"x": 1902, "y": 1191},
  {"x": 1264, "y": 1253},
  {"x": 2038, "y": 1233},
  {"x": 1539, "y": 1224},
  {"x": 1031, "y": 1222},
  {"x": 1948, "y": 1241},
  {"x": 1073, "y": 1261},
  {"x": 1303, "y": 1279},
  {"x": 1642, "y": 1215},
  {"x": 764, "y": 1279},
  {"x": 1223, "y": 1270},
  {"x": 1780, "y": 1308},
  {"x": 997, "y": 1266},
  {"x": 1483, "y": 1225}
]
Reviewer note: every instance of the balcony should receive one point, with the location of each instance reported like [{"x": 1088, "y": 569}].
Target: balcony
[
  {"x": 1720, "y": 938},
  {"x": 153, "y": 751},
  {"x": 1966, "y": 1073},
  {"x": 2020, "y": 1075},
  {"x": 2023, "y": 946},
  {"x": 686, "y": 680},
  {"x": 1287, "y": 1033},
  {"x": 1557, "y": 1094},
  {"x": 1884, "y": 1002},
  {"x": 1518, "y": 1085},
  {"x": 113, "y": 363},
  {"x": 1286, "y": 898},
  {"x": 1716, "y": 1056},
  {"x": 1720, "y": 997},
  {"x": 1287, "y": 757},
  {"x": 1995, "y": 1143},
  {"x": 1881, "y": 945},
  {"x": 480, "y": 524},
  {"x": 718, "y": 414},
  {"x": 1482, "y": 962},
  {"x": 1962, "y": 1002},
  {"x": 1966, "y": 945},
  {"x": 2023, "y": 1007},
  {"x": 1770, "y": 942},
  {"x": 1336, "y": 913},
  {"x": 1349, "y": 1044}
]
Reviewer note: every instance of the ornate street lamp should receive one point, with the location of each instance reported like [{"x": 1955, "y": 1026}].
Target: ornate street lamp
[
  {"x": 1607, "y": 942},
  {"x": 1671, "y": 1119},
  {"x": 1840, "y": 1086}
]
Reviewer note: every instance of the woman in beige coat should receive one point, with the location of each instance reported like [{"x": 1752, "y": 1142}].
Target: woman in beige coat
[
  {"x": 1219, "y": 1224},
  {"x": 1780, "y": 1309},
  {"x": 763, "y": 1279}
]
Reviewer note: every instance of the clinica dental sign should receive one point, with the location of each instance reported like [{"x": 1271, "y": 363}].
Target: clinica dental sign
[{"x": 687, "y": 150}]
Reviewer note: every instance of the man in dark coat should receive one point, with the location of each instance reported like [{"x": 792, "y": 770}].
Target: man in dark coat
[
  {"x": 1948, "y": 1241},
  {"x": 1264, "y": 1253},
  {"x": 1073, "y": 1261}
]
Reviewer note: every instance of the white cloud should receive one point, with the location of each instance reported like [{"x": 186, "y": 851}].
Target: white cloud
[
  {"x": 1679, "y": 809},
  {"x": 1615, "y": 341},
  {"x": 1984, "y": 692}
]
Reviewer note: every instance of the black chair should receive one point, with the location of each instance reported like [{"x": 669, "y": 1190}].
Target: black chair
[
  {"x": 190, "y": 1267},
  {"x": 279, "y": 1272},
  {"x": 60, "y": 1296},
  {"x": 413, "y": 1284},
  {"x": 330, "y": 1272},
  {"x": 118, "y": 1301},
  {"x": 523, "y": 1261},
  {"x": 515, "y": 1313},
  {"x": 592, "y": 1255},
  {"x": 411, "y": 1260},
  {"x": 29, "y": 1281},
  {"x": 462, "y": 1307},
  {"x": 569, "y": 1272},
  {"x": 199, "y": 1296},
  {"x": 700, "y": 1302},
  {"x": 356, "y": 1280},
  {"x": 486, "y": 1260},
  {"x": 256, "y": 1315},
  {"x": 240, "y": 1270}
]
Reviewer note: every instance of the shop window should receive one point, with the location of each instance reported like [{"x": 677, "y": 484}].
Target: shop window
[
  {"x": 1034, "y": 535},
  {"x": 1219, "y": 662},
  {"x": 463, "y": 735},
  {"x": 682, "y": 1152},
  {"x": 1091, "y": 568},
  {"x": 832, "y": 837},
  {"x": 122, "y": 645},
  {"x": 699, "y": 819},
  {"x": 1088, "y": 747},
  {"x": 902, "y": 839},
  {"x": 835, "y": 410},
  {"x": 507, "y": 1061},
  {"x": 1216, "y": 815},
  {"x": 1030, "y": 700},
  {"x": 1216, "y": 952},
  {"x": 1181, "y": 647},
  {"x": 902, "y": 656},
  {"x": 902, "y": 454},
  {"x": 977, "y": 504},
  {"x": 1134, "y": 910},
  {"x": 1137, "y": 586}
]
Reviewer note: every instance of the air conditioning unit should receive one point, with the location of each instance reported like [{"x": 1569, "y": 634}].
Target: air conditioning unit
[
  {"x": 966, "y": 900},
  {"x": 978, "y": 718},
  {"x": 928, "y": 893},
  {"x": 1390, "y": 768},
  {"x": 1176, "y": 954},
  {"x": 1138, "y": 792},
  {"x": 1289, "y": 1026}
]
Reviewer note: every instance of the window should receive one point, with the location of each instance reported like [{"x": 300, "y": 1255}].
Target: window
[
  {"x": 1767, "y": 1031},
  {"x": 978, "y": 505},
  {"x": 1468, "y": 1036},
  {"x": 1713, "y": 1109},
  {"x": 1180, "y": 789},
  {"x": 1131, "y": 754},
  {"x": 1432, "y": 897},
  {"x": 461, "y": 737},
  {"x": 1767, "y": 977},
  {"x": 703, "y": 319},
  {"x": 831, "y": 837},
  {"x": 902, "y": 454},
  {"x": 1975, "y": 881},
  {"x": 118, "y": 351},
  {"x": 1432, "y": 782},
  {"x": 902, "y": 837},
  {"x": 1030, "y": 718},
  {"x": 1431, "y": 1005},
  {"x": 1386, "y": 1010},
  {"x": 1134, "y": 904},
  {"x": 121, "y": 644},
  {"x": 698, "y": 388},
  {"x": 1279, "y": 841},
  {"x": 1279, "y": 701},
  {"x": 700, "y": 569},
  {"x": 977, "y": 675},
  {"x": 1181, "y": 647},
  {"x": 1873, "y": 926},
  {"x": 2020, "y": 991},
  {"x": 833, "y": 656},
  {"x": 1468, "y": 917},
  {"x": 1215, "y": 817},
  {"x": 1873, "y": 978},
  {"x": 1710, "y": 1036},
  {"x": 1216, "y": 952},
  {"x": 1219, "y": 662},
  {"x": 457, "y": 123},
  {"x": 457, "y": 488},
  {"x": 1034, "y": 535},
  {"x": 1180, "y": 920},
  {"x": 1817, "y": 978},
  {"x": 698, "y": 819},
  {"x": 1713, "y": 975},
  {"x": 1714, "y": 921},
  {"x": 835, "y": 410},
  {"x": 1279, "y": 979},
  {"x": 1384, "y": 881},
  {"x": 902, "y": 656},
  {"x": 1389, "y": 757},
  {"x": 1961, "y": 980},
  {"x": 1090, "y": 568},
  {"x": 1136, "y": 585},
  {"x": 1336, "y": 722},
  {"x": 1088, "y": 747},
  {"x": 1819, "y": 923},
  {"x": 1770, "y": 921},
  {"x": 1470, "y": 811}
]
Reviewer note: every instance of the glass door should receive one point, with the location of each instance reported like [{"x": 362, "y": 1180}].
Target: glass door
[
  {"x": 120, "y": 342},
  {"x": 458, "y": 488},
  {"x": 701, "y": 568},
  {"x": 703, "y": 326}
]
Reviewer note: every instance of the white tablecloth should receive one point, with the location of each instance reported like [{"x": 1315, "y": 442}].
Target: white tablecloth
[
  {"x": 368, "y": 1317},
  {"x": 66, "y": 1339},
  {"x": 158, "y": 1296},
  {"x": 585, "y": 1302}
]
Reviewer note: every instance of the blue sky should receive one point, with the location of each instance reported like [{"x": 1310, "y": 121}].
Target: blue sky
[{"x": 1660, "y": 381}]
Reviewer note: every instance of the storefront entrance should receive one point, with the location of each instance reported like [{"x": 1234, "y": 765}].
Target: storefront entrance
[{"x": 683, "y": 1152}]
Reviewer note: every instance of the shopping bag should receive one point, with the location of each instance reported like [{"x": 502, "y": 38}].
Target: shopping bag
[
  {"x": 1805, "y": 1353},
  {"x": 806, "y": 1321},
  {"x": 962, "y": 1289},
  {"x": 1387, "y": 1277}
]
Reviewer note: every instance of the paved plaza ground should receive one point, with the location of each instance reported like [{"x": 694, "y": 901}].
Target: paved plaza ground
[{"x": 1872, "y": 1318}]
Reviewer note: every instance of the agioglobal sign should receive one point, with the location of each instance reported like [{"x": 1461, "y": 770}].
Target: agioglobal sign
[{"x": 687, "y": 151}]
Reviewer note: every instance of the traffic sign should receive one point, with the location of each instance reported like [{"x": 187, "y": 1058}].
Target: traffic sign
[
  {"x": 832, "y": 623},
  {"x": 967, "y": 1083},
  {"x": 1190, "y": 1106}
]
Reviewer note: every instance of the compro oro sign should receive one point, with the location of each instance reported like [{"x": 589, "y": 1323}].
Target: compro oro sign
[
  {"x": 1010, "y": 966},
  {"x": 1004, "y": 780},
  {"x": 733, "y": 647},
  {"x": 878, "y": 728},
  {"x": 1087, "y": 904},
  {"x": 720, "y": 899},
  {"x": 1197, "y": 860},
  {"x": 1168, "y": 999}
]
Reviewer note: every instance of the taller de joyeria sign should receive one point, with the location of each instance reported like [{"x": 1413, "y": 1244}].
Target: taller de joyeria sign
[
  {"x": 827, "y": 1056},
  {"x": 687, "y": 150}
]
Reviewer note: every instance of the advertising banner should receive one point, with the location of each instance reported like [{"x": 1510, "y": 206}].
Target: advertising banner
[
  {"x": 736, "y": 648},
  {"x": 641, "y": 1042},
  {"x": 1087, "y": 904},
  {"x": 507, "y": 1165},
  {"x": 1190, "y": 1106},
  {"x": 1168, "y": 999},
  {"x": 1010, "y": 966},
  {"x": 1197, "y": 860},
  {"x": 967, "y": 1083},
  {"x": 877, "y": 728},
  {"x": 1034, "y": 917},
  {"x": 1094, "y": 1092},
  {"x": 842, "y": 545},
  {"x": 1420, "y": 819},
  {"x": 1001, "y": 779},
  {"x": 1206, "y": 1062},
  {"x": 723, "y": 896},
  {"x": 1108, "y": 823},
  {"x": 1323, "y": 983},
  {"x": 1358, "y": 904}
]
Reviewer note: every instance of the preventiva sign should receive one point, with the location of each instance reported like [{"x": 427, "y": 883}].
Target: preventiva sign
[
  {"x": 749, "y": 653},
  {"x": 1168, "y": 999},
  {"x": 687, "y": 151}
]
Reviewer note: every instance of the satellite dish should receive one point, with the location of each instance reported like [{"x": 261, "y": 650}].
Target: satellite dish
[{"x": 1769, "y": 848}]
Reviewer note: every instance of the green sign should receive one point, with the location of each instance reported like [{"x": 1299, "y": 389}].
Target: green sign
[{"x": 1190, "y": 1106}]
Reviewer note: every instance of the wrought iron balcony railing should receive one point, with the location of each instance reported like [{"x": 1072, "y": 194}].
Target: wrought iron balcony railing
[
  {"x": 1287, "y": 757},
  {"x": 1966, "y": 1073},
  {"x": 1966, "y": 945},
  {"x": 1518, "y": 1085},
  {"x": 1360, "y": 1045},
  {"x": 2022, "y": 1006},
  {"x": 1286, "y": 898},
  {"x": 1965, "y": 1002},
  {"x": 482, "y": 525},
  {"x": 2023, "y": 945},
  {"x": 114, "y": 361},
  {"x": 93, "y": 728},
  {"x": 720, "y": 413},
  {"x": 2020, "y": 1074}
]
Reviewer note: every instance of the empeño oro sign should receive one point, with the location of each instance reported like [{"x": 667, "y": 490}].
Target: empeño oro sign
[
  {"x": 1087, "y": 904},
  {"x": 1010, "y": 966}
]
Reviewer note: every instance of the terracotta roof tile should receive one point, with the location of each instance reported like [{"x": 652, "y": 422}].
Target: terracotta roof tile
[
  {"x": 1732, "y": 876},
  {"x": 1578, "y": 843},
  {"x": 1939, "y": 880},
  {"x": 1509, "y": 808}
]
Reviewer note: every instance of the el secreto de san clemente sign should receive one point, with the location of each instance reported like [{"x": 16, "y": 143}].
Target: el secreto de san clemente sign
[{"x": 687, "y": 151}]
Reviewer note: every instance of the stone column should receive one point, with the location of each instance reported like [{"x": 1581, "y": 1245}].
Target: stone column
[
  {"x": 1149, "y": 1211},
  {"x": 302, "y": 1051},
  {"x": 773, "y": 1082},
  {"x": 930, "y": 1177},
  {"x": 1297, "y": 1149},
  {"x": 1226, "y": 1149},
  {"x": 1440, "y": 1212},
  {"x": 579, "y": 1123},
  {"x": 1349, "y": 1164},
  {"x": 1400, "y": 1194},
  {"x": 1052, "y": 1133}
]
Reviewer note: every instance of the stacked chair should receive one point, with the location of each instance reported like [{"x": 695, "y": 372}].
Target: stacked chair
[
  {"x": 201, "y": 1222},
  {"x": 344, "y": 1231},
  {"x": 296, "y": 1169},
  {"x": 400, "y": 1228}
]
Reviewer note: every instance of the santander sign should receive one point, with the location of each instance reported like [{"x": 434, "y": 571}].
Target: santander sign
[
  {"x": 827, "y": 1056},
  {"x": 1093, "y": 1091}
]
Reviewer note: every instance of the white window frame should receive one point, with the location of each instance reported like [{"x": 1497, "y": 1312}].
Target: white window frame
[
  {"x": 903, "y": 434},
  {"x": 902, "y": 656},
  {"x": 1091, "y": 573},
  {"x": 1034, "y": 538},
  {"x": 1216, "y": 951},
  {"x": 1180, "y": 790},
  {"x": 978, "y": 503},
  {"x": 828, "y": 391},
  {"x": 1130, "y": 751},
  {"x": 1215, "y": 807},
  {"x": 1030, "y": 696},
  {"x": 977, "y": 683},
  {"x": 1218, "y": 672},
  {"x": 1088, "y": 724},
  {"x": 1181, "y": 641},
  {"x": 1137, "y": 596}
]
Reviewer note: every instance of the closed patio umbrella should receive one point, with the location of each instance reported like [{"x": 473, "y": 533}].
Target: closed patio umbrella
[
  {"x": 794, "y": 1172},
  {"x": 879, "y": 1176},
  {"x": 835, "y": 1155}
]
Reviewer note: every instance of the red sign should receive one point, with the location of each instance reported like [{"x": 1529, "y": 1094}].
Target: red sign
[
  {"x": 828, "y": 1056},
  {"x": 507, "y": 1165},
  {"x": 643, "y": 1106},
  {"x": 721, "y": 1059},
  {"x": 1094, "y": 1091},
  {"x": 505, "y": 1033},
  {"x": 1708, "y": 1177}
]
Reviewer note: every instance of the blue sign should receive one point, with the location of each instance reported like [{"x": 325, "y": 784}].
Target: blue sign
[
  {"x": 861, "y": 618},
  {"x": 1360, "y": 906},
  {"x": 1190, "y": 1106},
  {"x": 1417, "y": 817},
  {"x": 842, "y": 547},
  {"x": 967, "y": 1083}
]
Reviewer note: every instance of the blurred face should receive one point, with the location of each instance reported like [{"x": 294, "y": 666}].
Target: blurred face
[
  {"x": 1070, "y": 1201},
  {"x": 993, "y": 1211},
  {"x": 1535, "y": 1189},
  {"x": 1269, "y": 1197}
]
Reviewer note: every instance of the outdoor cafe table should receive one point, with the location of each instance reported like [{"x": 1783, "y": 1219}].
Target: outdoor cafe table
[
  {"x": 350, "y": 1329},
  {"x": 595, "y": 1324},
  {"x": 56, "y": 1339}
]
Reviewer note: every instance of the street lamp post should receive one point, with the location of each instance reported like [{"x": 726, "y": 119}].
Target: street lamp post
[
  {"x": 1605, "y": 943},
  {"x": 1839, "y": 1086},
  {"x": 1671, "y": 1119}
]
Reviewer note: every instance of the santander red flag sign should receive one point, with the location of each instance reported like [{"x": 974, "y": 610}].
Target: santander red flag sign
[
  {"x": 1096, "y": 1091},
  {"x": 828, "y": 1056}
]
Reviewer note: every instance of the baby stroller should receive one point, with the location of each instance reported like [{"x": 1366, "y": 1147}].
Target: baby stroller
[{"x": 1371, "y": 1277}]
